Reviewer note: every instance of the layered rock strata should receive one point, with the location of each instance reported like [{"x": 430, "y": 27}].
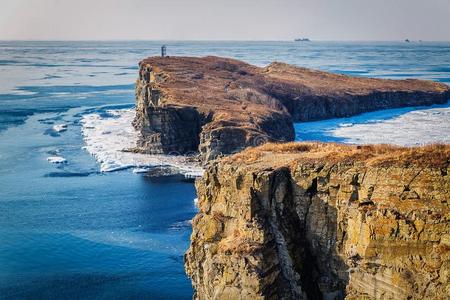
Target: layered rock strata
[
  {"x": 323, "y": 221},
  {"x": 218, "y": 106}
]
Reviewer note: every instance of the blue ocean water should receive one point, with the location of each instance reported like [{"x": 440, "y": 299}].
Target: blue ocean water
[{"x": 68, "y": 231}]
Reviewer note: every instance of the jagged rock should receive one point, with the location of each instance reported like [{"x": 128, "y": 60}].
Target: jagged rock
[
  {"x": 219, "y": 106},
  {"x": 323, "y": 221}
]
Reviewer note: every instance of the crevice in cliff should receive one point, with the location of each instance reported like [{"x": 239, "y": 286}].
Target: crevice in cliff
[
  {"x": 318, "y": 281},
  {"x": 309, "y": 272},
  {"x": 298, "y": 257},
  {"x": 279, "y": 190},
  {"x": 314, "y": 259}
]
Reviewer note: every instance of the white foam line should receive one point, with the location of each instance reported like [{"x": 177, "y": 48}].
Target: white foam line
[
  {"x": 159, "y": 242},
  {"x": 106, "y": 137}
]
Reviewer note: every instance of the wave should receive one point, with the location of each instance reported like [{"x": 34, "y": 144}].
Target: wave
[
  {"x": 182, "y": 225},
  {"x": 106, "y": 136},
  {"x": 168, "y": 243}
]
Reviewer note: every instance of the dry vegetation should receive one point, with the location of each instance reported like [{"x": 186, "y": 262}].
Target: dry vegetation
[
  {"x": 223, "y": 84},
  {"x": 435, "y": 155},
  {"x": 329, "y": 83}
]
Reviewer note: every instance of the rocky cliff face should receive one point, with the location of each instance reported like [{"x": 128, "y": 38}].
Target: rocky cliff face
[
  {"x": 314, "y": 95},
  {"x": 218, "y": 106},
  {"x": 164, "y": 128},
  {"x": 180, "y": 108},
  {"x": 323, "y": 221}
]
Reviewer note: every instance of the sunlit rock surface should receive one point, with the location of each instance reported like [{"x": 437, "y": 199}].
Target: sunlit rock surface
[{"x": 313, "y": 221}]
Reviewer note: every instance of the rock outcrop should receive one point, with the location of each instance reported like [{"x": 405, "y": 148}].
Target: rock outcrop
[
  {"x": 323, "y": 221},
  {"x": 218, "y": 106}
]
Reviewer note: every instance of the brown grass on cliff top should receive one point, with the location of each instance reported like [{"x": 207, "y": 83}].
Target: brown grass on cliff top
[
  {"x": 325, "y": 83},
  {"x": 434, "y": 155}
]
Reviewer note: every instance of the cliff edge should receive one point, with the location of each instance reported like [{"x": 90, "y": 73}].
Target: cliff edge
[
  {"x": 323, "y": 221},
  {"x": 217, "y": 106}
]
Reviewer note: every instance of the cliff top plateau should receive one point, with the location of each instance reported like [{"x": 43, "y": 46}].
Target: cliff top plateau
[
  {"x": 212, "y": 82},
  {"x": 285, "y": 154}
]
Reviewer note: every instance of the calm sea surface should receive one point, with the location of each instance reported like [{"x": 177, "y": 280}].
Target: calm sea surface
[{"x": 69, "y": 231}]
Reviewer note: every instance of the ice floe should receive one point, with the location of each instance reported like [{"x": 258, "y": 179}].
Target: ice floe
[
  {"x": 140, "y": 170},
  {"x": 410, "y": 129},
  {"x": 60, "y": 127},
  {"x": 56, "y": 160},
  {"x": 408, "y": 126},
  {"x": 107, "y": 136}
]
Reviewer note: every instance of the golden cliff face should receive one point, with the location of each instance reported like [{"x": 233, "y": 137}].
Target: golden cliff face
[{"x": 327, "y": 221}]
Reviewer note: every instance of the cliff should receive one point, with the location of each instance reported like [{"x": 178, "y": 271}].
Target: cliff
[
  {"x": 323, "y": 221},
  {"x": 218, "y": 106}
]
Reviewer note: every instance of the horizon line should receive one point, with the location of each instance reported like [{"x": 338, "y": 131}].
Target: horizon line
[{"x": 218, "y": 40}]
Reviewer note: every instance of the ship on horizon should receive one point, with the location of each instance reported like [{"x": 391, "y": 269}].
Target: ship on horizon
[{"x": 302, "y": 40}]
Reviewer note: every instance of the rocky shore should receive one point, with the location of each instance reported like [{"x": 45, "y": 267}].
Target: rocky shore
[
  {"x": 323, "y": 221},
  {"x": 217, "y": 106}
]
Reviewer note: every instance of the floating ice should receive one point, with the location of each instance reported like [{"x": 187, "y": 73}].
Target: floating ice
[
  {"x": 408, "y": 126},
  {"x": 140, "y": 170},
  {"x": 410, "y": 129},
  {"x": 60, "y": 127},
  {"x": 106, "y": 138},
  {"x": 56, "y": 160}
]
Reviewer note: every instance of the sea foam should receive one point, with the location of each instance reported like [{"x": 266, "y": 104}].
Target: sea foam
[{"x": 107, "y": 136}]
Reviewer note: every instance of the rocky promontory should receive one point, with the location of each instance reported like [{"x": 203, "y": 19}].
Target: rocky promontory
[
  {"x": 323, "y": 221},
  {"x": 217, "y": 106}
]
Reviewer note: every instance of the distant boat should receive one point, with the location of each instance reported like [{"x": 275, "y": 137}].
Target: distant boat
[
  {"x": 407, "y": 41},
  {"x": 303, "y": 40}
]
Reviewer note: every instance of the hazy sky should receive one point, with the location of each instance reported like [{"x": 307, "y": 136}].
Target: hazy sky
[{"x": 225, "y": 20}]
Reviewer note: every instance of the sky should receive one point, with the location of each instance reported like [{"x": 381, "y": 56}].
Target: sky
[{"x": 382, "y": 20}]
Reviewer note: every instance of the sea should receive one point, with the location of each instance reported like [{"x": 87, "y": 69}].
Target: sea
[{"x": 80, "y": 219}]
